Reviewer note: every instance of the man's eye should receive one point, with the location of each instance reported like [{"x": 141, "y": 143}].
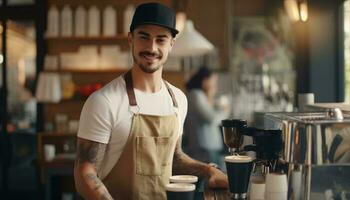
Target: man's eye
[
  {"x": 160, "y": 41},
  {"x": 143, "y": 37}
]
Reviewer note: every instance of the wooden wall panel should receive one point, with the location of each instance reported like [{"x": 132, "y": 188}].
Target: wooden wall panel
[
  {"x": 253, "y": 8},
  {"x": 71, "y": 108},
  {"x": 211, "y": 18},
  {"x": 175, "y": 78},
  {"x": 121, "y": 3}
]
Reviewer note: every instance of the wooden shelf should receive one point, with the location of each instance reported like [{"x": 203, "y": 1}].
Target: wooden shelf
[
  {"x": 87, "y": 39},
  {"x": 67, "y": 102},
  {"x": 57, "y": 45},
  {"x": 55, "y": 134},
  {"x": 111, "y": 70},
  {"x": 119, "y": 3}
]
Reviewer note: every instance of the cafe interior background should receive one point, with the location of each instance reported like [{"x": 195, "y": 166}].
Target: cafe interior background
[{"x": 54, "y": 53}]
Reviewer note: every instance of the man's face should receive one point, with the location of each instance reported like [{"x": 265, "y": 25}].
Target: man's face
[{"x": 150, "y": 46}]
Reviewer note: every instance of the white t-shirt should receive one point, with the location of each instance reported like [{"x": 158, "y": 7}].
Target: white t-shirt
[{"x": 106, "y": 116}]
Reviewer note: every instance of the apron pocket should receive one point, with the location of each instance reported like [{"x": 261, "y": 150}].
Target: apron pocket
[
  {"x": 164, "y": 150},
  {"x": 151, "y": 154}
]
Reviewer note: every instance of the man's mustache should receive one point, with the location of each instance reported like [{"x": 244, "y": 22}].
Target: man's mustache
[{"x": 147, "y": 53}]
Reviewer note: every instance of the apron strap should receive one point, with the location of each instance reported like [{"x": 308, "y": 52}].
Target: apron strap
[
  {"x": 171, "y": 94},
  {"x": 131, "y": 93},
  {"x": 130, "y": 88}
]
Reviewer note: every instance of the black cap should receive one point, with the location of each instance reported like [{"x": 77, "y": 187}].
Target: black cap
[{"x": 156, "y": 14}]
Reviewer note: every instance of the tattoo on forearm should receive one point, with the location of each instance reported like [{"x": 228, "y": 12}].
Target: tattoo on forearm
[
  {"x": 92, "y": 152},
  {"x": 183, "y": 164},
  {"x": 96, "y": 181},
  {"x": 98, "y": 185}
]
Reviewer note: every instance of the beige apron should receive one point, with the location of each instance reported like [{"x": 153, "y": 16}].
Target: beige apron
[{"x": 146, "y": 162}]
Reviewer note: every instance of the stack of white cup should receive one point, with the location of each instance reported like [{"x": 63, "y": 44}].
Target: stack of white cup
[
  {"x": 257, "y": 188},
  {"x": 276, "y": 187}
]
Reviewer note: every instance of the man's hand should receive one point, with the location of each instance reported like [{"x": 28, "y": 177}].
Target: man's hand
[
  {"x": 217, "y": 179},
  {"x": 183, "y": 164}
]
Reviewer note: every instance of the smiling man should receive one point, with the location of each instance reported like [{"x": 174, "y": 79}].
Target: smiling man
[{"x": 129, "y": 138}]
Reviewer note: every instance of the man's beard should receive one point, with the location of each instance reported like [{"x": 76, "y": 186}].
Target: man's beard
[{"x": 144, "y": 68}]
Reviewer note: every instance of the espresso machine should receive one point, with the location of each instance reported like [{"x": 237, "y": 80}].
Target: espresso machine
[
  {"x": 267, "y": 143},
  {"x": 316, "y": 149}
]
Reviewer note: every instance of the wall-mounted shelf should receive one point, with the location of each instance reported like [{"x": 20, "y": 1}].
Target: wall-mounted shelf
[
  {"x": 81, "y": 71},
  {"x": 120, "y": 37},
  {"x": 103, "y": 3}
]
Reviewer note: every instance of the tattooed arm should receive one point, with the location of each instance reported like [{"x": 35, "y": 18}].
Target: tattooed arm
[
  {"x": 183, "y": 164},
  {"x": 88, "y": 185}
]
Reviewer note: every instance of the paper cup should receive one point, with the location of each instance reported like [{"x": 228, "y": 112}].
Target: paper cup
[
  {"x": 305, "y": 99},
  {"x": 177, "y": 191},
  {"x": 49, "y": 152},
  {"x": 183, "y": 179},
  {"x": 257, "y": 190},
  {"x": 296, "y": 184},
  {"x": 276, "y": 182},
  {"x": 239, "y": 168},
  {"x": 276, "y": 195}
]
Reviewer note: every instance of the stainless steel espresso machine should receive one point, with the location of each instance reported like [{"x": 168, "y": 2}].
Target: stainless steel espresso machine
[
  {"x": 316, "y": 149},
  {"x": 267, "y": 143}
]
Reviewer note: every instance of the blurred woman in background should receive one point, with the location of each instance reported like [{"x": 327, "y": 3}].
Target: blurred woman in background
[{"x": 202, "y": 137}]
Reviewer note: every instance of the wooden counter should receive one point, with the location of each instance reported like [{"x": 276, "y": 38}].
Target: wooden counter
[{"x": 210, "y": 194}]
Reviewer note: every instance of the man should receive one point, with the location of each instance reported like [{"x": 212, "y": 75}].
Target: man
[{"x": 129, "y": 138}]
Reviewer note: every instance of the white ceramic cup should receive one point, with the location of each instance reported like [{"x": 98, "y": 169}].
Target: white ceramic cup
[
  {"x": 183, "y": 179},
  {"x": 276, "y": 195},
  {"x": 183, "y": 191},
  {"x": 257, "y": 190},
  {"x": 49, "y": 152},
  {"x": 296, "y": 183},
  {"x": 276, "y": 182},
  {"x": 305, "y": 99}
]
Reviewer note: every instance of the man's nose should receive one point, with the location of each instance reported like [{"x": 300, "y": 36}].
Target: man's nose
[{"x": 152, "y": 45}]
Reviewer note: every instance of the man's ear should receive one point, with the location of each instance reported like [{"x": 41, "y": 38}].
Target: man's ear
[
  {"x": 130, "y": 38},
  {"x": 172, "y": 42}
]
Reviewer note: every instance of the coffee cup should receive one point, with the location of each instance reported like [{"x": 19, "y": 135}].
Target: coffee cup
[
  {"x": 238, "y": 168},
  {"x": 49, "y": 152},
  {"x": 180, "y": 191},
  {"x": 276, "y": 182},
  {"x": 276, "y": 195},
  {"x": 305, "y": 99},
  {"x": 276, "y": 186},
  {"x": 257, "y": 189},
  {"x": 296, "y": 183},
  {"x": 183, "y": 179}
]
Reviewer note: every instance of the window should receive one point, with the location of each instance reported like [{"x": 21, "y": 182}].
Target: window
[
  {"x": 1, "y": 55},
  {"x": 21, "y": 71},
  {"x": 347, "y": 49},
  {"x": 20, "y": 2}
]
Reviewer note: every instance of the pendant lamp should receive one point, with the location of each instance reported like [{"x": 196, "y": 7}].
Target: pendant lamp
[{"x": 190, "y": 42}]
